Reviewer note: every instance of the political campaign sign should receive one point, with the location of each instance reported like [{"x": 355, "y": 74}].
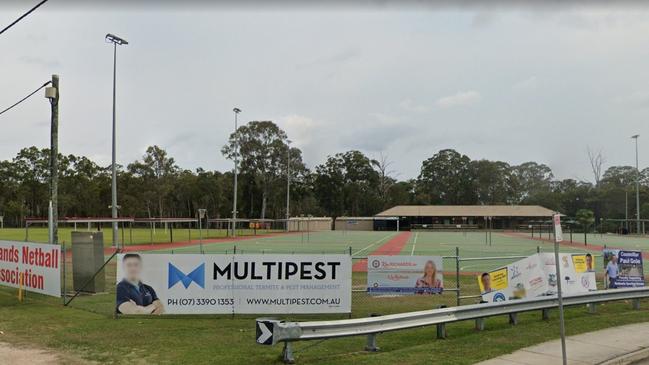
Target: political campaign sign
[
  {"x": 34, "y": 267},
  {"x": 519, "y": 280},
  {"x": 536, "y": 275},
  {"x": 623, "y": 268},
  {"x": 577, "y": 273},
  {"x": 404, "y": 275},
  {"x": 204, "y": 284}
]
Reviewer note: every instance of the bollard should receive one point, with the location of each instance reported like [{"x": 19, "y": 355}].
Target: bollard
[
  {"x": 513, "y": 319},
  {"x": 479, "y": 324},
  {"x": 545, "y": 314},
  {"x": 371, "y": 343},
  {"x": 592, "y": 308},
  {"x": 441, "y": 331},
  {"x": 287, "y": 353},
  {"x": 635, "y": 304}
]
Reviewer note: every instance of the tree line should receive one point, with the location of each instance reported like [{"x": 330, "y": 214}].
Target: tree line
[{"x": 346, "y": 184}]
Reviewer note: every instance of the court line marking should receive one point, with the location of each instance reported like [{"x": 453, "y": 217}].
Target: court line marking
[
  {"x": 414, "y": 244},
  {"x": 377, "y": 242}
]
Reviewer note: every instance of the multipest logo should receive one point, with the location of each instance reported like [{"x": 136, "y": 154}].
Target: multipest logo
[{"x": 197, "y": 276}]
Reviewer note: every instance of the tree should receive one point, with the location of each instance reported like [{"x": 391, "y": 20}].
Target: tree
[
  {"x": 446, "y": 178},
  {"x": 585, "y": 218},
  {"x": 492, "y": 181},
  {"x": 157, "y": 171},
  {"x": 386, "y": 181}
]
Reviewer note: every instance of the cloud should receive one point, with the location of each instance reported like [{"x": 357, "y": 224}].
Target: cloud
[
  {"x": 409, "y": 105},
  {"x": 460, "y": 99},
  {"x": 639, "y": 99},
  {"x": 527, "y": 84}
]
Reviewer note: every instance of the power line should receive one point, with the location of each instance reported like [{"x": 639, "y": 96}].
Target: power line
[
  {"x": 26, "y": 97},
  {"x": 22, "y": 16}
]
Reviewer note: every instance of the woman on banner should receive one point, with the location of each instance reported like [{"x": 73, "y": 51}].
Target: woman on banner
[{"x": 429, "y": 283}]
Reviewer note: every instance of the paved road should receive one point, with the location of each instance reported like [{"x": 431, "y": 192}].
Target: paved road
[{"x": 600, "y": 347}]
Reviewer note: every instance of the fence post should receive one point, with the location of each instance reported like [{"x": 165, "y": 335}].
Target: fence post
[
  {"x": 287, "y": 353},
  {"x": 538, "y": 249},
  {"x": 545, "y": 314},
  {"x": 635, "y": 304},
  {"x": 457, "y": 275},
  {"x": 479, "y": 324},
  {"x": 592, "y": 308},
  {"x": 441, "y": 331},
  {"x": 371, "y": 343},
  {"x": 513, "y": 319}
]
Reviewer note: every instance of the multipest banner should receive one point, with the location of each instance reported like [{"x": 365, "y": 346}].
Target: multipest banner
[
  {"x": 252, "y": 284},
  {"x": 404, "y": 275},
  {"x": 33, "y": 266},
  {"x": 623, "y": 269}
]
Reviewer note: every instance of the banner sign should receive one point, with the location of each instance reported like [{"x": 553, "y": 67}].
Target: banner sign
[
  {"x": 536, "y": 275},
  {"x": 577, "y": 272},
  {"x": 33, "y": 266},
  {"x": 252, "y": 284},
  {"x": 623, "y": 269},
  {"x": 522, "y": 279},
  {"x": 404, "y": 275}
]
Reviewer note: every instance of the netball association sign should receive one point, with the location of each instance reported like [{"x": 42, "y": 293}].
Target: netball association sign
[{"x": 404, "y": 275}]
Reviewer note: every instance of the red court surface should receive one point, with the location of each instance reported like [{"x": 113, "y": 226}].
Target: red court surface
[{"x": 392, "y": 247}]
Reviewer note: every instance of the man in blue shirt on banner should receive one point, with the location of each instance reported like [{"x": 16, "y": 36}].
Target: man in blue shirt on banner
[
  {"x": 133, "y": 296},
  {"x": 611, "y": 272}
]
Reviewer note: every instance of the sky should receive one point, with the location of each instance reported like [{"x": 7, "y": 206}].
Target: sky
[{"x": 499, "y": 82}]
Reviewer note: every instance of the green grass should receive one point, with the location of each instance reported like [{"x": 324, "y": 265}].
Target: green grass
[
  {"x": 87, "y": 328},
  {"x": 133, "y": 236}
]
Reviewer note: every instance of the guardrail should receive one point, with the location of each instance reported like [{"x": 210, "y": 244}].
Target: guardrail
[{"x": 271, "y": 331}]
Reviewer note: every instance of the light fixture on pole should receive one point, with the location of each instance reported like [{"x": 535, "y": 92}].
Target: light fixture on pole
[
  {"x": 236, "y": 162},
  {"x": 115, "y": 40},
  {"x": 637, "y": 185}
]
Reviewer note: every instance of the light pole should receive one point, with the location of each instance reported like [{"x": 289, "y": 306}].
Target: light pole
[
  {"x": 288, "y": 182},
  {"x": 52, "y": 93},
  {"x": 236, "y": 162},
  {"x": 115, "y": 40},
  {"x": 637, "y": 185}
]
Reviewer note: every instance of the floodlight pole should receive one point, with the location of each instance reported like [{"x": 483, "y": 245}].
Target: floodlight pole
[
  {"x": 52, "y": 93},
  {"x": 637, "y": 186},
  {"x": 115, "y": 40},
  {"x": 236, "y": 162},
  {"x": 288, "y": 182}
]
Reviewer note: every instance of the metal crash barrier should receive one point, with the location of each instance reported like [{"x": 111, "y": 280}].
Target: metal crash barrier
[{"x": 271, "y": 331}]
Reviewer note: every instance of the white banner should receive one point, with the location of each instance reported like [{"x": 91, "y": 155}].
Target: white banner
[
  {"x": 33, "y": 266},
  {"x": 558, "y": 233},
  {"x": 536, "y": 275},
  {"x": 577, "y": 273},
  {"x": 402, "y": 275},
  {"x": 253, "y": 284}
]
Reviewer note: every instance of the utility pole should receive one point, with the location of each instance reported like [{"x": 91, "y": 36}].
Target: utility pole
[
  {"x": 52, "y": 93},
  {"x": 236, "y": 163},
  {"x": 115, "y": 40},
  {"x": 288, "y": 182},
  {"x": 558, "y": 237},
  {"x": 637, "y": 186}
]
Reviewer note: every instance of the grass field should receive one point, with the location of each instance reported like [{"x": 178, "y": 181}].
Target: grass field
[{"x": 87, "y": 327}]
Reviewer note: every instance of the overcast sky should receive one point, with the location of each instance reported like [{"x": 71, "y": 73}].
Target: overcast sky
[{"x": 524, "y": 84}]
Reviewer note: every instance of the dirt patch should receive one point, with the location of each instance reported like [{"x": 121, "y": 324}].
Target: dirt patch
[{"x": 18, "y": 354}]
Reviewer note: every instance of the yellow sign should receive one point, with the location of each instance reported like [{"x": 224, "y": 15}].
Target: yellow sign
[
  {"x": 583, "y": 263},
  {"x": 495, "y": 280}
]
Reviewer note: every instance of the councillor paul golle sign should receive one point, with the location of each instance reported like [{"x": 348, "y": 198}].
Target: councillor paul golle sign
[{"x": 268, "y": 284}]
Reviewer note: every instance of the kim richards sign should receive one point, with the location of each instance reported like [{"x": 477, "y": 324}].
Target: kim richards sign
[
  {"x": 250, "y": 284},
  {"x": 35, "y": 267}
]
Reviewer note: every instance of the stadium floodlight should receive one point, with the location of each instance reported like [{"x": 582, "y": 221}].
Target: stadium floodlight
[
  {"x": 115, "y": 40},
  {"x": 637, "y": 185},
  {"x": 236, "y": 162}
]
